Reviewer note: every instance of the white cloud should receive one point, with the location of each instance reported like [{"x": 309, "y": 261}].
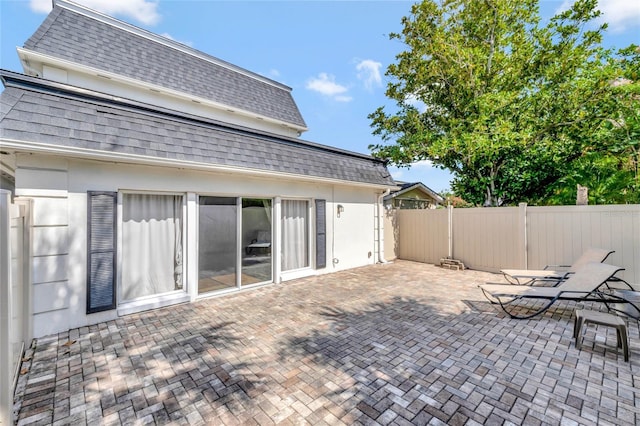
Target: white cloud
[
  {"x": 40, "y": 6},
  {"x": 274, "y": 73},
  {"x": 326, "y": 85},
  {"x": 422, "y": 164},
  {"x": 369, "y": 73},
  {"x": 621, "y": 15},
  {"x": 396, "y": 173},
  {"x": 144, "y": 11}
]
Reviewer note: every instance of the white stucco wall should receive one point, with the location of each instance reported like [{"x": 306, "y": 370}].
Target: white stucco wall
[
  {"x": 58, "y": 188},
  {"x": 354, "y": 231}
]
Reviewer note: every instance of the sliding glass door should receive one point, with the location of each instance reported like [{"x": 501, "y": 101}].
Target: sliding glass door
[
  {"x": 234, "y": 246},
  {"x": 256, "y": 241},
  {"x": 218, "y": 246}
]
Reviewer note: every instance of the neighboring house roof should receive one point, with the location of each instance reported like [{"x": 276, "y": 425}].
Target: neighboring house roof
[
  {"x": 406, "y": 187},
  {"x": 41, "y": 114},
  {"x": 82, "y": 36}
]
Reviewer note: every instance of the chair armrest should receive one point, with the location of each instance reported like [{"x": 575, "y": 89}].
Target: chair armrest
[{"x": 490, "y": 283}]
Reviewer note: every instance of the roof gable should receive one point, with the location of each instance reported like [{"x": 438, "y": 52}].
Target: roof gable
[
  {"x": 81, "y": 36},
  {"x": 413, "y": 190}
]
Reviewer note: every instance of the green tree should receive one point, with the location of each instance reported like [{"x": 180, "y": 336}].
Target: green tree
[
  {"x": 609, "y": 165},
  {"x": 486, "y": 91},
  {"x": 625, "y": 136}
]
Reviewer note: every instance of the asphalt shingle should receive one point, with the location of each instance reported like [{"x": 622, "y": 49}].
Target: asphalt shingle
[
  {"x": 121, "y": 49},
  {"x": 35, "y": 110}
]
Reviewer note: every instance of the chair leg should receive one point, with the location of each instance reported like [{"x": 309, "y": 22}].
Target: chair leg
[
  {"x": 577, "y": 330},
  {"x": 504, "y": 305},
  {"x": 623, "y": 342},
  {"x": 579, "y": 335}
]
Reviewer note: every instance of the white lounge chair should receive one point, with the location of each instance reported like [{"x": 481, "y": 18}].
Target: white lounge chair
[
  {"x": 555, "y": 274},
  {"x": 588, "y": 284}
]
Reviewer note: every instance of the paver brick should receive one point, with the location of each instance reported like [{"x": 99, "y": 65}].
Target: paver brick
[{"x": 404, "y": 343}]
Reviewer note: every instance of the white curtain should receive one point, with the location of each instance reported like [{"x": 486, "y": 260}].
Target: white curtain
[
  {"x": 295, "y": 234},
  {"x": 151, "y": 244},
  {"x": 267, "y": 209}
]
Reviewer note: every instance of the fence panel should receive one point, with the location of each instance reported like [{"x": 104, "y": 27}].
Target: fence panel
[
  {"x": 488, "y": 239},
  {"x": 559, "y": 235},
  {"x": 522, "y": 237},
  {"x": 14, "y": 249},
  {"x": 423, "y": 235},
  {"x": 391, "y": 231},
  {"x": 17, "y": 286}
]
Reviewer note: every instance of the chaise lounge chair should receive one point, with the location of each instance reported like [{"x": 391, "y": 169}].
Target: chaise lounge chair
[
  {"x": 555, "y": 274},
  {"x": 588, "y": 284},
  {"x": 262, "y": 241}
]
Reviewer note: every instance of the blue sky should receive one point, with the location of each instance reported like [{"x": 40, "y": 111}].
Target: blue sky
[{"x": 332, "y": 53}]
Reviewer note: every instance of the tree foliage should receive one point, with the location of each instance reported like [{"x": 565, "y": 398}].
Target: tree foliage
[
  {"x": 507, "y": 104},
  {"x": 609, "y": 165}
]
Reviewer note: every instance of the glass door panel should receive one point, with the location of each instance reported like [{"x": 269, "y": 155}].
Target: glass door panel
[
  {"x": 256, "y": 241},
  {"x": 218, "y": 247}
]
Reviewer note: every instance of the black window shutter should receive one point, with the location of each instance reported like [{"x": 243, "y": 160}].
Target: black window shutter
[
  {"x": 321, "y": 234},
  {"x": 101, "y": 251}
]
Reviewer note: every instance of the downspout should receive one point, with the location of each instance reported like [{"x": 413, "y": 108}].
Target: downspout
[{"x": 380, "y": 208}]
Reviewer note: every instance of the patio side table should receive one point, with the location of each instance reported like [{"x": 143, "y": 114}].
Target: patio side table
[{"x": 585, "y": 316}]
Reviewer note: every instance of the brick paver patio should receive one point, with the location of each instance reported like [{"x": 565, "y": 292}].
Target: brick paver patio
[{"x": 401, "y": 343}]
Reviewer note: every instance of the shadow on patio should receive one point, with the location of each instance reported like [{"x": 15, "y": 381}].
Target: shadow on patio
[
  {"x": 406, "y": 363},
  {"x": 404, "y": 343}
]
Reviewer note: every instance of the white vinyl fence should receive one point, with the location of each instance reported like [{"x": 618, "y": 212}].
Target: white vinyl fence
[
  {"x": 523, "y": 237},
  {"x": 14, "y": 309}
]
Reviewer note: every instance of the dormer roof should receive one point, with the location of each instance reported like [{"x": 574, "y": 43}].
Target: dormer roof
[{"x": 77, "y": 35}]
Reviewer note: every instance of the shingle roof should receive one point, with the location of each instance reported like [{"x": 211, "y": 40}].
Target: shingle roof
[
  {"x": 40, "y": 111},
  {"x": 409, "y": 186},
  {"x": 120, "y": 48}
]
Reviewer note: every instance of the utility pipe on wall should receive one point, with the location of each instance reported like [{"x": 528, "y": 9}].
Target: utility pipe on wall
[{"x": 380, "y": 208}]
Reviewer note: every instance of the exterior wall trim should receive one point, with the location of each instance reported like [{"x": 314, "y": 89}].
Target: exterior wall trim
[{"x": 83, "y": 153}]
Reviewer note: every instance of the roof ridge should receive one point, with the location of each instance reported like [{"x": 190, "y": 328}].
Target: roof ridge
[
  {"x": 107, "y": 100},
  {"x": 173, "y": 44}
]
